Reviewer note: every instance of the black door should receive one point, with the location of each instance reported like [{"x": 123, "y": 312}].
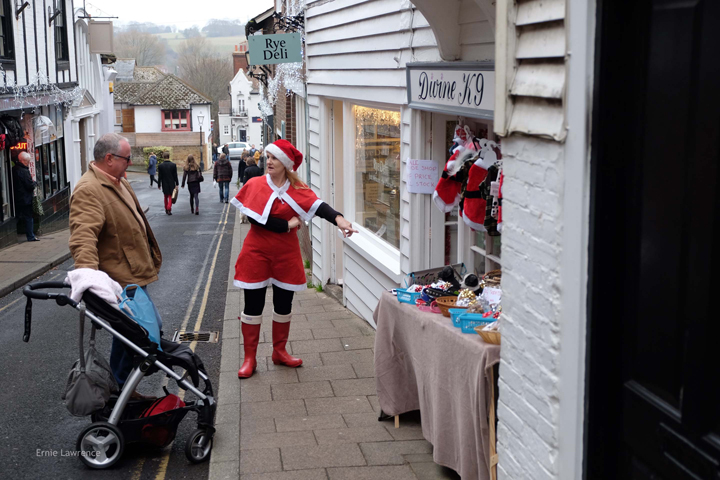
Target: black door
[{"x": 653, "y": 383}]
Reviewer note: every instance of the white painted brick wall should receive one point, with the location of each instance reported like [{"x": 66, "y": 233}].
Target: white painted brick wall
[{"x": 528, "y": 407}]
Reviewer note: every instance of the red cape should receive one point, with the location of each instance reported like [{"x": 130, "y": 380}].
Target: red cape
[{"x": 256, "y": 198}]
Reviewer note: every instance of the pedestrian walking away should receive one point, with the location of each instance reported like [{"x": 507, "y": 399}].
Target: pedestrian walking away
[
  {"x": 109, "y": 232},
  {"x": 214, "y": 153},
  {"x": 24, "y": 190},
  {"x": 152, "y": 169},
  {"x": 226, "y": 150},
  {"x": 222, "y": 174},
  {"x": 167, "y": 181},
  {"x": 193, "y": 175},
  {"x": 251, "y": 171},
  {"x": 275, "y": 205},
  {"x": 242, "y": 165}
]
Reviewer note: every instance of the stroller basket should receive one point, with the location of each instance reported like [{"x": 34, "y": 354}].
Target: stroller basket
[{"x": 120, "y": 421}]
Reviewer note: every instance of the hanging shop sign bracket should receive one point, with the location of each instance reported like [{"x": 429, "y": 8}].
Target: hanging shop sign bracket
[
  {"x": 459, "y": 88},
  {"x": 274, "y": 49}
]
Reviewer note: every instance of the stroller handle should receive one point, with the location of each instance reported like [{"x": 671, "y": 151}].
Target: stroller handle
[{"x": 30, "y": 291}]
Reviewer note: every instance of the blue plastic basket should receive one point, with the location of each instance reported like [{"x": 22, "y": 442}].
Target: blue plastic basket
[
  {"x": 468, "y": 321},
  {"x": 455, "y": 315},
  {"x": 407, "y": 297}
]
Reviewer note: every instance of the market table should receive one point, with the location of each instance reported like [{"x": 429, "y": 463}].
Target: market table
[{"x": 423, "y": 362}]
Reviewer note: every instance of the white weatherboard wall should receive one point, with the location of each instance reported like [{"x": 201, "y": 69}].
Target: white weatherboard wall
[{"x": 356, "y": 51}]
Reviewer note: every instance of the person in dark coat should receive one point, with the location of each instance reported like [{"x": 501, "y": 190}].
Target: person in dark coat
[
  {"x": 152, "y": 169},
  {"x": 24, "y": 188},
  {"x": 222, "y": 174},
  {"x": 226, "y": 150},
  {"x": 167, "y": 180},
  {"x": 252, "y": 170},
  {"x": 193, "y": 175}
]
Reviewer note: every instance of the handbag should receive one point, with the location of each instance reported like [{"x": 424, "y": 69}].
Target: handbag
[
  {"x": 201, "y": 179},
  {"x": 90, "y": 381},
  {"x": 175, "y": 194},
  {"x": 141, "y": 310}
]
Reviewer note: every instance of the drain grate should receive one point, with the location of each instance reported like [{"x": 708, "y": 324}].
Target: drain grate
[{"x": 181, "y": 336}]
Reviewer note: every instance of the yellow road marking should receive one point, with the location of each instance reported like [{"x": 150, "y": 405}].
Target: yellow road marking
[{"x": 162, "y": 470}]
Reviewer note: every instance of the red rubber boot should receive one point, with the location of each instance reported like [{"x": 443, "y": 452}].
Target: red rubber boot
[
  {"x": 250, "y": 326},
  {"x": 280, "y": 332}
]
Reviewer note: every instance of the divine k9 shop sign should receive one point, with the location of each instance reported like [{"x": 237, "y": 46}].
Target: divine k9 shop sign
[
  {"x": 272, "y": 49},
  {"x": 452, "y": 88}
]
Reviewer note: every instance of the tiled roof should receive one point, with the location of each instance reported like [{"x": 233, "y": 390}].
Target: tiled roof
[
  {"x": 172, "y": 93},
  {"x": 129, "y": 92},
  {"x": 147, "y": 74}
]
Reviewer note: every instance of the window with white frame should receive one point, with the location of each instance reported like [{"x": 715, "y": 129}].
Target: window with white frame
[
  {"x": 377, "y": 172},
  {"x": 118, "y": 117}
]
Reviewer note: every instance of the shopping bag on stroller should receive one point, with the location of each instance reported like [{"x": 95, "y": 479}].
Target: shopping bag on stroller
[
  {"x": 135, "y": 303},
  {"x": 90, "y": 382}
]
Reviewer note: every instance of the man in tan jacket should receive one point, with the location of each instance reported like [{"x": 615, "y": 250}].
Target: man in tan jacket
[{"x": 109, "y": 231}]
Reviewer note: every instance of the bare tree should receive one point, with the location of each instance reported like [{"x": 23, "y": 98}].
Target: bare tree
[
  {"x": 206, "y": 70},
  {"x": 145, "y": 48}
]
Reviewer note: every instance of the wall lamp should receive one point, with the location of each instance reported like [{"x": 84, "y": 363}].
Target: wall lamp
[
  {"x": 20, "y": 7},
  {"x": 52, "y": 16}
]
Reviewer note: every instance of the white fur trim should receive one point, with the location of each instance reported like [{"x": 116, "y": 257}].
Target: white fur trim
[
  {"x": 305, "y": 216},
  {"x": 285, "y": 286},
  {"x": 281, "y": 318},
  {"x": 260, "y": 218},
  {"x": 475, "y": 226},
  {"x": 440, "y": 204},
  {"x": 251, "y": 319},
  {"x": 464, "y": 156},
  {"x": 280, "y": 155}
]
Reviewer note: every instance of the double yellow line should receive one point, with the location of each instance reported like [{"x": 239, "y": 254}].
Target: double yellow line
[{"x": 162, "y": 469}]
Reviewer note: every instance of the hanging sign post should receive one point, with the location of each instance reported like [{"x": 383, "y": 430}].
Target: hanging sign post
[
  {"x": 422, "y": 176},
  {"x": 274, "y": 49}
]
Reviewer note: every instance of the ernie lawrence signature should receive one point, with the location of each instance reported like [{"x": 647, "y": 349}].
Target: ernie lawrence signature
[
  {"x": 470, "y": 94},
  {"x": 64, "y": 453}
]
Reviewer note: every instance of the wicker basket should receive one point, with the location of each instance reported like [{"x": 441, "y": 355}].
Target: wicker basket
[
  {"x": 492, "y": 278},
  {"x": 489, "y": 336},
  {"x": 446, "y": 303}
]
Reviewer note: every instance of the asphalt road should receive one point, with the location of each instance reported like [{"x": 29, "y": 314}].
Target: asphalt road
[{"x": 191, "y": 288}]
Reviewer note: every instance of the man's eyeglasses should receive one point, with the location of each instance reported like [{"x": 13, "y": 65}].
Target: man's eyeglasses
[{"x": 127, "y": 159}]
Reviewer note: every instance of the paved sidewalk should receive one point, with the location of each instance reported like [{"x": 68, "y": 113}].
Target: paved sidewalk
[{"x": 319, "y": 421}]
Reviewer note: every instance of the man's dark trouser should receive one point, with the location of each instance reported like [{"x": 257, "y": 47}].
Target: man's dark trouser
[
  {"x": 152, "y": 179},
  {"x": 121, "y": 362},
  {"x": 26, "y": 212},
  {"x": 224, "y": 188}
]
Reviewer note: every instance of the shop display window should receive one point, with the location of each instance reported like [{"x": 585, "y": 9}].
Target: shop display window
[
  {"x": 377, "y": 172},
  {"x": 5, "y": 186}
]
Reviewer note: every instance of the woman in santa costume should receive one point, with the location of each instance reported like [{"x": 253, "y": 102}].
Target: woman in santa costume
[{"x": 275, "y": 204}]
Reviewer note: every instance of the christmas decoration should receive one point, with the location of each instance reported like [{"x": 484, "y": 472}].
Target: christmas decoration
[{"x": 40, "y": 89}]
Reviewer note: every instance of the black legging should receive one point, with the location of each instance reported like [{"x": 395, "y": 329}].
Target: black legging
[
  {"x": 194, "y": 201},
  {"x": 255, "y": 301}
]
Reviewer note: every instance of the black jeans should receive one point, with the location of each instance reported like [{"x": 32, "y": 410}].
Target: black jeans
[
  {"x": 255, "y": 301},
  {"x": 26, "y": 212},
  {"x": 152, "y": 179}
]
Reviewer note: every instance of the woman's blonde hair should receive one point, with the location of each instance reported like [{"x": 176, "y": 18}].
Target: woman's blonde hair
[
  {"x": 295, "y": 180},
  {"x": 191, "y": 166}
]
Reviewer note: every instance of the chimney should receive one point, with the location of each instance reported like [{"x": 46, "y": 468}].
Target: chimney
[{"x": 239, "y": 59}]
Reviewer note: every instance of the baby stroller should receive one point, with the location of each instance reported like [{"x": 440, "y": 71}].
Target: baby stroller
[{"x": 122, "y": 420}]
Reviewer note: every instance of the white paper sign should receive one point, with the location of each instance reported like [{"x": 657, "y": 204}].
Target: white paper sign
[
  {"x": 492, "y": 295},
  {"x": 422, "y": 175}
]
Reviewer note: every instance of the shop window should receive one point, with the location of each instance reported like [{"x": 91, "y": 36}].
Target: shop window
[
  {"x": 176, "y": 120},
  {"x": 7, "y": 44},
  {"x": 62, "y": 53},
  {"x": 377, "y": 172},
  {"x": 50, "y": 168}
]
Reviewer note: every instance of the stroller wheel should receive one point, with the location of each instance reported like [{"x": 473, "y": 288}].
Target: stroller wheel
[
  {"x": 198, "y": 446},
  {"x": 100, "y": 445}
]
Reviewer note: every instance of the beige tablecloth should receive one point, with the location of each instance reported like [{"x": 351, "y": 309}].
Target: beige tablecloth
[{"x": 423, "y": 362}]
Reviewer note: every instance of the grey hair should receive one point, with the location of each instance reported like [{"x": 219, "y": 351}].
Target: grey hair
[
  {"x": 108, "y": 143},
  {"x": 25, "y": 154}
]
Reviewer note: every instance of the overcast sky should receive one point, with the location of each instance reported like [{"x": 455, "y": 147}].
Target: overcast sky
[{"x": 183, "y": 13}]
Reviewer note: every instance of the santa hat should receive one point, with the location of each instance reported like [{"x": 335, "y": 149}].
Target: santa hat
[{"x": 286, "y": 153}]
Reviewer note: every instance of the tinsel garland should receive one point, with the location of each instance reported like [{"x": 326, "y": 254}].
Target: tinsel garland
[{"x": 39, "y": 86}]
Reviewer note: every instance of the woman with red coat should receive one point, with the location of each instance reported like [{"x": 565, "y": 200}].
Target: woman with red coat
[{"x": 275, "y": 204}]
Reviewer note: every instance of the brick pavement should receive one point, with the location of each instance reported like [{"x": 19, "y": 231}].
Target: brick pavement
[{"x": 319, "y": 421}]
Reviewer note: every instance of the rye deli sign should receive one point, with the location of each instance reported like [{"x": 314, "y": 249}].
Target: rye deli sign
[
  {"x": 461, "y": 88},
  {"x": 273, "y": 49}
]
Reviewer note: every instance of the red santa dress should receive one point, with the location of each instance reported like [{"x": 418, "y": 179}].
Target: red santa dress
[{"x": 269, "y": 257}]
